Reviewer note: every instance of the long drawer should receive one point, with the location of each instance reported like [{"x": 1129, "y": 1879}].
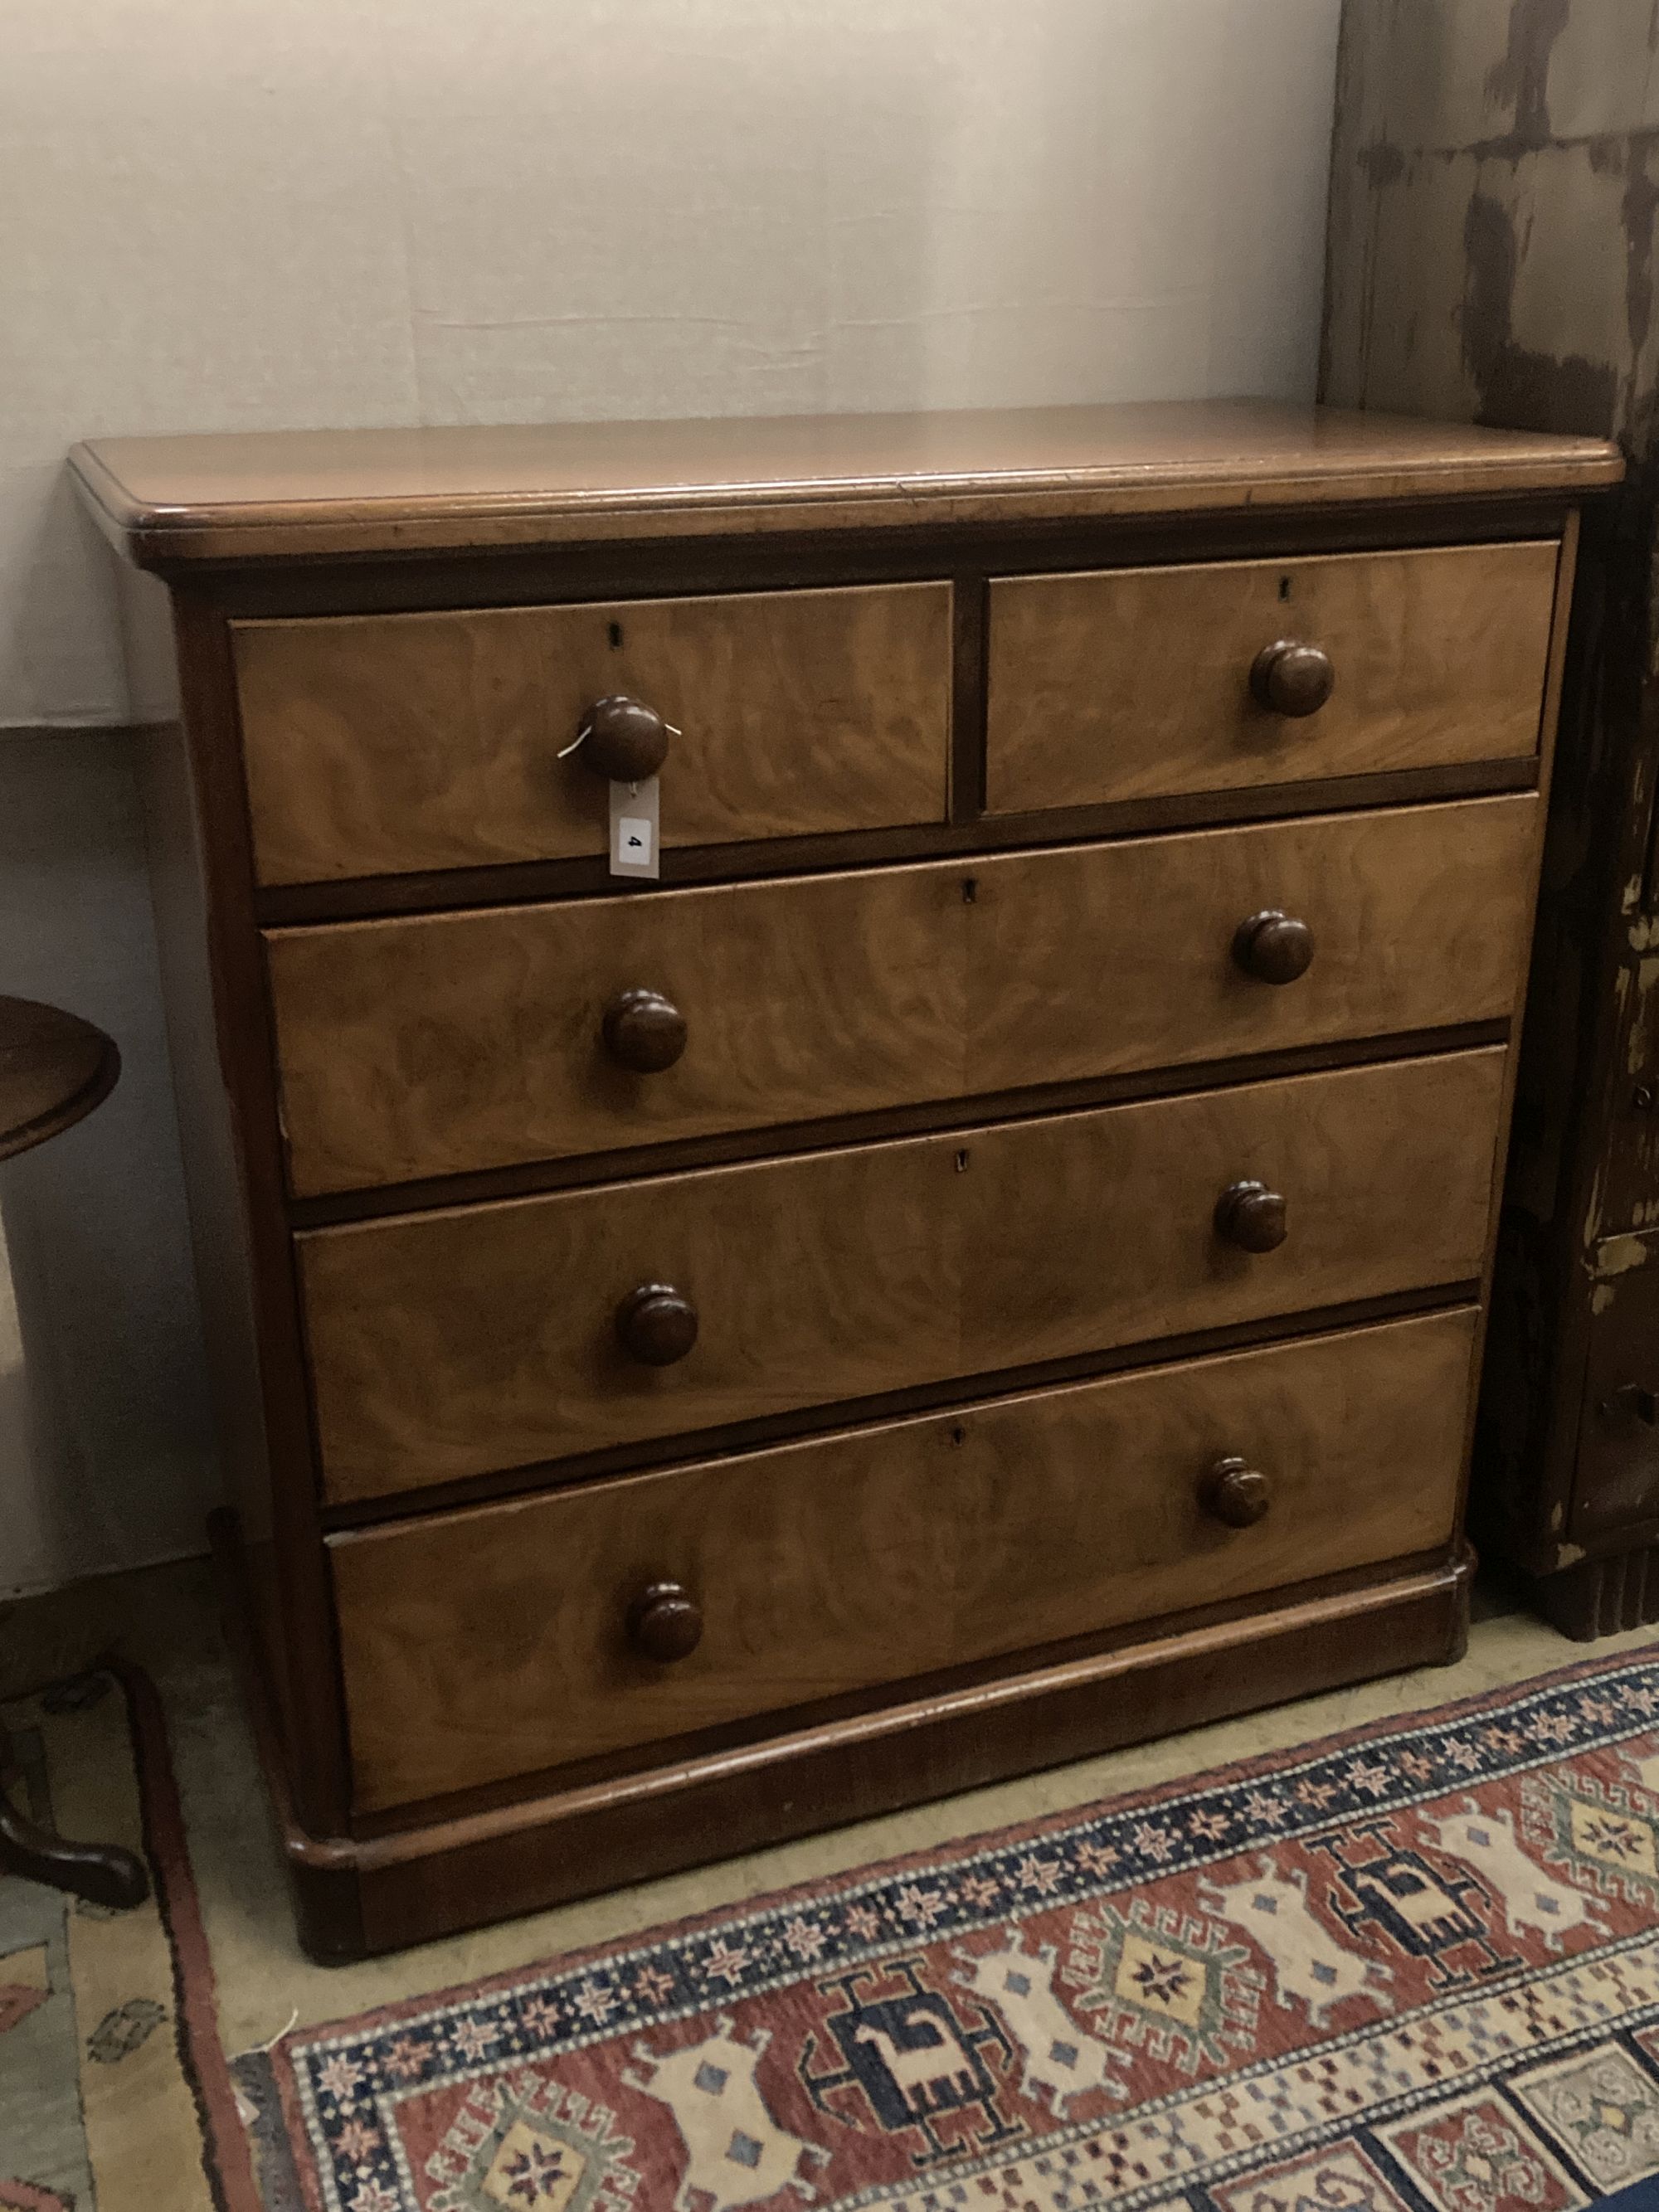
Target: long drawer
[
  {"x": 437, "y": 1043},
  {"x": 381, "y": 743},
  {"x": 1132, "y": 683},
  {"x": 451, "y": 1343},
  {"x": 482, "y": 1645}
]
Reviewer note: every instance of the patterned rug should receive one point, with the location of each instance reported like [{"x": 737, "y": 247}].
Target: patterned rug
[
  {"x": 1416, "y": 1966},
  {"x": 113, "y": 2093}
]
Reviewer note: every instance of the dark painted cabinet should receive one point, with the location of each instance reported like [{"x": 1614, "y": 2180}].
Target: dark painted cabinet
[{"x": 1492, "y": 257}]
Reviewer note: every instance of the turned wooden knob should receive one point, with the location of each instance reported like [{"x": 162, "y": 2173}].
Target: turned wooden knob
[
  {"x": 1236, "y": 1492},
  {"x": 1274, "y": 946},
  {"x": 1251, "y": 1216},
  {"x": 665, "y": 1622},
  {"x": 643, "y": 1030},
  {"x": 656, "y": 1325},
  {"x": 1292, "y": 678},
  {"x": 624, "y": 740}
]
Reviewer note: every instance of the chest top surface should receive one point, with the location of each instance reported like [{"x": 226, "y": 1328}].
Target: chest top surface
[{"x": 276, "y": 495}]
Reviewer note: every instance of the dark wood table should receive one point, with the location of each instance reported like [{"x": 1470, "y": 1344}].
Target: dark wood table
[{"x": 54, "y": 1069}]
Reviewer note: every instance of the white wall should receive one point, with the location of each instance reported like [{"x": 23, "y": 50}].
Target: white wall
[
  {"x": 223, "y": 214},
  {"x": 105, "y": 1454}
]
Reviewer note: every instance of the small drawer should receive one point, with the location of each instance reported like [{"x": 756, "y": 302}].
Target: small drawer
[
  {"x": 378, "y": 745},
  {"x": 489, "y": 1644},
  {"x": 1138, "y": 682},
  {"x": 437, "y": 1043},
  {"x": 452, "y": 1343}
]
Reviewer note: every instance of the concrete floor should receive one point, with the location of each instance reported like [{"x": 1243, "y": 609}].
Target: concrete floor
[{"x": 165, "y": 1620}]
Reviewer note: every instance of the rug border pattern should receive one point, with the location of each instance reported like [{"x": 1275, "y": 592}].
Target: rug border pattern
[{"x": 697, "y": 1966}]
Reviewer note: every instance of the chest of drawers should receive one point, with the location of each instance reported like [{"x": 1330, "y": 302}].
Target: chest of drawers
[{"x": 981, "y": 1260}]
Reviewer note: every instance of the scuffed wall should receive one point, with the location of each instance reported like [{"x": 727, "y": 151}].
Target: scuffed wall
[{"x": 1495, "y": 188}]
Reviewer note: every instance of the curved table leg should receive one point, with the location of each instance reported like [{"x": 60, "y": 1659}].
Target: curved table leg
[{"x": 104, "y": 1874}]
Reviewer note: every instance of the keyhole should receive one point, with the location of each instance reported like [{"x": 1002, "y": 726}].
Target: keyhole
[
  {"x": 616, "y": 636},
  {"x": 962, "y": 1163},
  {"x": 1284, "y": 587}
]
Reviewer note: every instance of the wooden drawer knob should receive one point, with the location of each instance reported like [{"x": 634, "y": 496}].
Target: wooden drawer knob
[
  {"x": 1292, "y": 678},
  {"x": 643, "y": 1030},
  {"x": 665, "y": 1622},
  {"x": 656, "y": 1325},
  {"x": 623, "y": 739},
  {"x": 1274, "y": 946},
  {"x": 1251, "y": 1216},
  {"x": 1236, "y": 1492}
]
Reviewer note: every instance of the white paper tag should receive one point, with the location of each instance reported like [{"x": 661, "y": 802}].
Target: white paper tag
[{"x": 635, "y": 816}]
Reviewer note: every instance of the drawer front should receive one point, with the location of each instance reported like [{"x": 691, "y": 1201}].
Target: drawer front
[
  {"x": 487, "y": 1643},
  {"x": 381, "y": 743},
  {"x": 1136, "y": 683},
  {"x": 441, "y": 1043},
  {"x": 452, "y": 1343}
]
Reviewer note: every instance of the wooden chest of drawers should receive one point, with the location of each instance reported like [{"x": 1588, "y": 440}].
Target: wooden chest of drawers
[{"x": 985, "y": 1258}]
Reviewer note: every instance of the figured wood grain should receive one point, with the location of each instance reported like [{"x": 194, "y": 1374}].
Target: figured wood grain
[
  {"x": 415, "y": 1871},
  {"x": 446, "y": 1344},
  {"x": 385, "y": 743},
  {"x": 286, "y": 906},
  {"x": 482, "y": 1645},
  {"x": 1132, "y": 683},
  {"x": 451, "y": 1871},
  {"x": 440, "y": 1044},
  {"x": 276, "y": 495}
]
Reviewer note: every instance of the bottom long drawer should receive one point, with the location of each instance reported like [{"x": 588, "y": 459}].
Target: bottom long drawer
[{"x": 500, "y": 1640}]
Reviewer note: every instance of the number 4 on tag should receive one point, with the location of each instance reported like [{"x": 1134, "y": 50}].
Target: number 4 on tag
[{"x": 635, "y": 816}]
